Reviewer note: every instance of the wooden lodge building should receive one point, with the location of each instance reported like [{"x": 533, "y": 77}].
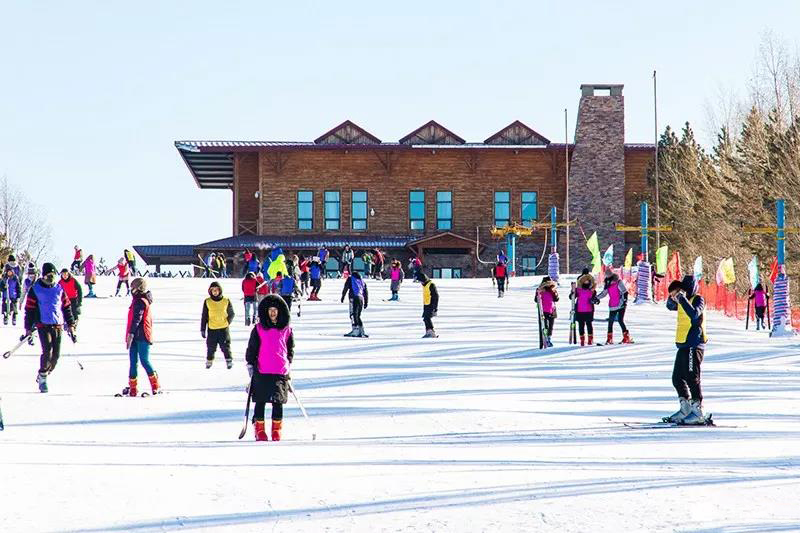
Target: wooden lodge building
[{"x": 430, "y": 193}]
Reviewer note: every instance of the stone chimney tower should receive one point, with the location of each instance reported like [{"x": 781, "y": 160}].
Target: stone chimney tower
[{"x": 597, "y": 172}]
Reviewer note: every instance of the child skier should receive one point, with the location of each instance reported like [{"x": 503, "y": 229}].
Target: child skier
[
  {"x": 74, "y": 293},
  {"x": 760, "y": 299},
  {"x": 216, "y": 319},
  {"x": 46, "y": 309},
  {"x": 397, "y": 275},
  {"x": 690, "y": 339},
  {"x": 617, "y": 293},
  {"x": 287, "y": 289},
  {"x": 139, "y": 337},
  {"x": 303, "y": 266},
  {"x": 269, "y": 356},
  {"x": 77, "y": 259},
  {"x": 359, "y": 300},
  {"x": 89, "y": 275},
  {"x": 548, "y": 296},
  {"x": 430, "y": 303},
  {"x": 500, "y": 273},
  {"x": 11, "y": 289},
  {"x": 123, "y": 276},
  {"x": 249, "y": 285},
  {"x": 262, "y": 287},
  {"x": 315, "y": 273},
  {"x": 12, "y": 265},
  {"x": 585, "y": 299}
]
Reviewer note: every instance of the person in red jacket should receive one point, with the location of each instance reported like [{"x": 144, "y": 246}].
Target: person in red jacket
[
  {"x": 249, "y": 285},
  {"x": 500, "y": 273},
  {"x": 122, "y": 272},
  {"x": 74, "y": 292},
  {"x": 262, "y": 287},
  {"x": 303, "y": 265},
  {"x": 139, "y": 337}
]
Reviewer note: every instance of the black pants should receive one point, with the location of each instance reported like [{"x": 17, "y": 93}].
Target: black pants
[
  {"x": 316, "y": 285},
  {"x": 501, "y": 284},
  {"x": 10, "y": 306},
  {"x": 584, "y": 320},
  {"x": 221, "y": 338},
  {"x": 75, "y": 266},
  {"x": 357, "y": 305},
  {"x": 616, "y": 316},
  {"x": 288, "y": 299},
  {"x": 50, "y": 339},
  {"x": 549, "y": 321},
  {"x": 686, "y": 373},
  {"x": 277, "y": 411},
  {"x": 427, "y": 315},
  {"x": 127, "y": 285}
]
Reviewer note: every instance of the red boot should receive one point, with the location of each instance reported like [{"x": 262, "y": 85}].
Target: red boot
[
  {"x": 591, "y": 340},
  {"x": 261, "y": 432},
  {"x": 610, "y": 338},
  {"x": 154, "y": 386},
  {"x": 583, "y": 340},
  {"x": 276, "y": 429},
  {"x": 626, "y": 338},
  {"x": 132, "y": 387}
]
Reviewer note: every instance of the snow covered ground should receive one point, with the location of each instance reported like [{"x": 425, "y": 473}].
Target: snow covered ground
[{"x": 473, "y": 431}]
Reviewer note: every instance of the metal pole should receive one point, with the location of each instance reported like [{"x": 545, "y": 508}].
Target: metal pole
[
  {"x": 566, "y": 172},
  {"x": 553, "y": 232},
  {"x": 781, "y": 231},
  {"x": 644, "y": 233},
  {"x": 655, "y": 120}
]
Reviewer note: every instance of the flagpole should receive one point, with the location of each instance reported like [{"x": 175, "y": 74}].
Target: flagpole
[{"x": 655, "y": 122}]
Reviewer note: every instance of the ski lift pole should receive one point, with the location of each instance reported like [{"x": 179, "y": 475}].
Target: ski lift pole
[{"x": 643, "y": 271}]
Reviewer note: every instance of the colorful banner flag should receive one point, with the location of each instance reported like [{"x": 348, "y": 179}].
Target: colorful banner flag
[
  {"x": 608, "y": 257},
  {"x": 674, "y": 266},
  {"x": 752, "y": 268},
  {"x": 661, "y": 259},
  {"x": 698, "y": 268},
  {"x": 726, "y": 270},
  {"x": 594, "y": 249},
  {"x": 629, "y": 259},
  {"x": 773, "y": 271}
]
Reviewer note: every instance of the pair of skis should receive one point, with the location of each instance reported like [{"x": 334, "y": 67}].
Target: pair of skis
[
  {"x": 294, "y": 394},
  {"x": 544, "y": 338}
]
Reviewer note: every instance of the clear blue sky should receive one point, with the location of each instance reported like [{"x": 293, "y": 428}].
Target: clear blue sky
[{"x": 94, "y": 93}]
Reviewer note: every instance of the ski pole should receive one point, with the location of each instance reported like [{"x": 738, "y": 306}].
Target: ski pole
[
  {"x": 303, "y": 410},
  {"x": 22, "y": 340},
  {"x": 74, "y": 340}
]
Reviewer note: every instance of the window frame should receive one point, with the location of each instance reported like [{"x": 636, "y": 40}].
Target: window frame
[
  {"x": 353, "y": 219},
  {"x": 522, "y": 207},
  {"x": 297, "y": 208},
  {"x": 494, "y": 207},
  {"x": 411, "y": 220},
  {"x": 325, "y": 203},
  {"x": 448, "y": 220}
]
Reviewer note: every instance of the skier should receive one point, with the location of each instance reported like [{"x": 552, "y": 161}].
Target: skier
[
  {"x": 11, "y": 288},
  {"x": 430, "y": 303},
  {"x": 690, "y": 339},
  {"x": 377, "y": 268},
  {"x": 216, "y": 318},
  {"x": 77, "y": 260},
  {"x": 367, "y": 258},
  {"x": 347, "y": 259},
  {"x": 262, "y": 288},
  {"x": 287, "y": 288},
  {"x": 396, "y": 275},
  {"x": 47, "y": 307},
  {"x": 123, "y": 276},
  {"x": 246, "y": 256},
  {"x": 139, "y": 336},
  {"x": 269, "y": 355},
  {"x": 617, "y": 293},
  {"x": 249, "y": 285},
  {"x": 356, "y": 289},
  {"x": 585, "y": 300},
  {"x": 89, "y": 275},
  {"x": 12, "y": 265},
  {"x": 252, "y": 264},
  {"x": 548, "y": 296},
  {"x": 303, "y": 266},
  {"x": 760, "y": 299},
  {"x": 323, "y": 255},
  {"x": 500, "y": 273},
  {"x": 74, "y": 292},
  {"x": 415, "y": 266},
  {"x": 315, "y": 273},
  {"x": 130, "y": 259},
  {"x": 501, "y": 256}
]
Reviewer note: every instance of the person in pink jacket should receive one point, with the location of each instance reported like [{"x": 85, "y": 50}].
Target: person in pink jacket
[
  {"x": 617, "y": 293},
  {"x": 760, "y": 301},
  {"x": 89, "y": 275},
  {"x": 549, "y": 296},
  {"x": 585, "y": 300},
  {"x": 397, "y": 275},
  {"x": 269, "y": 356}
]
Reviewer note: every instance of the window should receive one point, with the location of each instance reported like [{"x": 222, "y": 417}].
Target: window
[
  {"x": 447, "y": 273},
  {"x": 332, "y": 206},
  {"x": 444, "y": 210},
  {"x": 502, "y": 208},
  {"x": 416, "y": 210},
  {"x": 305, "y": 209},
  {"x": 359, "y": 216},
  {"x": 530, "y": 211},
  {"x": 529, "y": 266}
]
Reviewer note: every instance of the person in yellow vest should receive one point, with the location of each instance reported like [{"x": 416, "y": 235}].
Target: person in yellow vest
[
  {"x": 690, "y": 338},
  {"x": 217, "y": 317},
  {"x": 430, "y": 303}
]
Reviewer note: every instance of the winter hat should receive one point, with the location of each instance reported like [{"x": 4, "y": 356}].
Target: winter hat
[
  {"x": 64, "y": 271},
  {"x": 273, "y": 300},
  {"x": 213, "y": 285},
  {"x": 139, "y": 285},
  {"x": 11, "y": 258},
  {"x": 48, "y": 268},
  {"x": 250, "y": 275},
  {"x": 688, "y": 284}
]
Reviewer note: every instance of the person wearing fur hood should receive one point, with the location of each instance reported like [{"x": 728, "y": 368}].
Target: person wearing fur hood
[
  {"x": 585, "y": 299},
  {"x": 269, "y": 356},
  {"x": 548, "y": 295},
  {"x": 617, "y": 293},
  {"x": 216, "y": 320}
]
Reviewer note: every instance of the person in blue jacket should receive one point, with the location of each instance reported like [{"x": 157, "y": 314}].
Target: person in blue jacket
[
  {"x": 11, "y": 289},
  {"x": 323, "y": 255},
  {"x": 315, "y": 273}
]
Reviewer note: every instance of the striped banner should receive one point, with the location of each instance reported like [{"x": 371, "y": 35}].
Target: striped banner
[
  {"x": 552, "y": 266},
  {"x": 782, "y": 319},
  {"x": 642, "y": 283}
]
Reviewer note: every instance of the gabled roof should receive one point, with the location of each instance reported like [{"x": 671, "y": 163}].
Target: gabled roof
[
  {"x": 432, "y": 133},
  {"x": 347, "y": 133},
  {"x": 517, "y": 133}
]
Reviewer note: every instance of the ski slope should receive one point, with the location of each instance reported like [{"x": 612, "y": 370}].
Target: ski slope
[{"x": 474, "y": 431}]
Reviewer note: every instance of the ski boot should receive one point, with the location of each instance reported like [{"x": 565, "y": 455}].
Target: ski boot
[
  {"x": 549, "y": 343},
  {"x": 583, "y": 340},
  {"x": 610, "y": 338},
  {"x": 353, "y": 332},
  {"x": 14, "y": 319},
  {"x": 678, "y": 416},
  {"x": 132, "y": 388},
  {"x": 209, "y": 362},
  {"x": 5, "y": 319},
  {"x": 247, "y": 321},
  {"x": 261, "y": 433},
  {"x": 626, "y": 338},
  {"x": 229, "y": 362},
  {"x": 276, "y": 429},
  {"x": 590, "y": 340},
  {"x": 430, "y": 334},
  {"x": 360, "y": 333},
  {"x": 154, "y": 385},
  {"x": 696, "y": 416},
  {"x": 41, "y": 379}
]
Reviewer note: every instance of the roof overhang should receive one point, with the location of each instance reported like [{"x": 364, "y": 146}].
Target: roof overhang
[{"x": 210, "y": 169}]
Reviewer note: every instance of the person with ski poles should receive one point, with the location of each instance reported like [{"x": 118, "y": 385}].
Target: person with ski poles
[
  {"x": 760, "y": 299},
  {"x": 47, "y": 308},
  {"x": 74, "y": 293},
  {"x": 269, "y": 355},
  {"x": 430, "y": 303},
  {"x": 617, "y": 293},
  {"x": 139, "y": 337},
  {"x": 585, "y": 298},
  {"x": 356, "y": 290},
  {"x": 500, "y": 274},
  {"x": 547, "y": 295},
  {"x": 690, "y": 339},
  {"x": 215, "y": 322}
]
